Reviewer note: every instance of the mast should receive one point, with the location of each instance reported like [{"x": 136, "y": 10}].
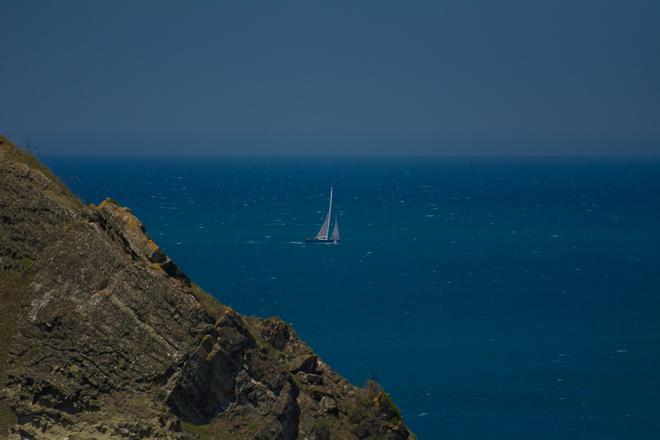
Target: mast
[{"x": 325, "y": 227}]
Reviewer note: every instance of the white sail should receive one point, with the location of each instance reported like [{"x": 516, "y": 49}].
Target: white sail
[
  {"x": 335, "y": 230},
  {"x": 325, "y": 227}
]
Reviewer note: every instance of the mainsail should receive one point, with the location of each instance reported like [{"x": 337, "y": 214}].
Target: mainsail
[
  {"x": 335, "y": 230},
  {"x": 325, "y": 227}
]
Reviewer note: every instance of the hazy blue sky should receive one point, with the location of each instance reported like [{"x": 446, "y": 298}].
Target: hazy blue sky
[{"x": 480, "y": 76}]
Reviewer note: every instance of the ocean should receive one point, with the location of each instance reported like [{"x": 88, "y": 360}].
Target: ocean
[{"x": 492, "y": 298}]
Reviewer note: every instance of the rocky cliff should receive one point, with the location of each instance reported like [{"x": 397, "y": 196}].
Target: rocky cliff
[{"x": 103, "y": 336}]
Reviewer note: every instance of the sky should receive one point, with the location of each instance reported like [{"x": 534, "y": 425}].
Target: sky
[{"x": 526, "y": 77}]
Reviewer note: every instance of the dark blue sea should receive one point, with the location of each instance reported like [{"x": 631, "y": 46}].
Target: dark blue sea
[{"x": 492, "y": 298}]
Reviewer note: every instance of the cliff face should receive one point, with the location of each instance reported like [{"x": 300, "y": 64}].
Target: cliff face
[{"x": 103, "y": 336}]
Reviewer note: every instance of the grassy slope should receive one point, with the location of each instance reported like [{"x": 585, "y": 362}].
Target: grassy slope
[
  {"x": 14, "y": 153},
  {"x": 13, "y": 284},
  {"x": 12, "y": 288}
]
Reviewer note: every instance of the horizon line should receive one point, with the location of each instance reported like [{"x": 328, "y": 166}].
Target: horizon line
[{"x": 192, "y": 155}]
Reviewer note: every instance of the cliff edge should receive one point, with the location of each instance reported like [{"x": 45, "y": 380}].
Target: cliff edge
[{"x": 102, "y": 336}]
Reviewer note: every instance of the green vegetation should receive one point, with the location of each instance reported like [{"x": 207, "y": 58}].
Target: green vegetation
[
  {"x": 381, "y": 399},
  {"x": 387, "y": 405},
  {"x": 27, "y": 263},
  {"x": 201, "y": 431},
  {"x": 212, "y": 306},
  {"x": 13, "y": 288},
  {"x": 7, "y": 419},
  {"x": 321, "y": 430},
  {"x": 371, "y": 405},
  {"x": 14, "y": 152}
]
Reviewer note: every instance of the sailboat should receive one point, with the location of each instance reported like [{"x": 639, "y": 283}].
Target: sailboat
[{"x": 323, "y": 235}]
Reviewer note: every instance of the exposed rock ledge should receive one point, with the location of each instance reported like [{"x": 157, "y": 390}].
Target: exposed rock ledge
[{"x": 103, "y": 336}]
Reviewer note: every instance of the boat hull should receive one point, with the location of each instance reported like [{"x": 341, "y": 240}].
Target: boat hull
[{"x": 320, "y": 240}]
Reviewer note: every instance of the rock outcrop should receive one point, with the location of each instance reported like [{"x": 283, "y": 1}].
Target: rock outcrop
[{"x": 103, "y": 336}]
